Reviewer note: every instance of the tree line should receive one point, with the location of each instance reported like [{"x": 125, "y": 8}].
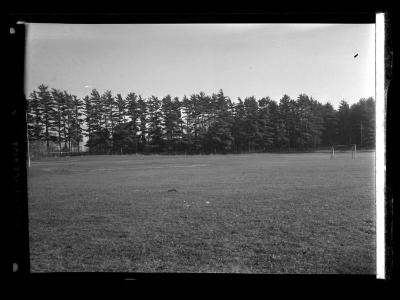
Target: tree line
[{"x": 200, "y": 123}]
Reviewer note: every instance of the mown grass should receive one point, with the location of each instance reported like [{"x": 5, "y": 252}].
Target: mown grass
[{"x": 258, "y": 213}]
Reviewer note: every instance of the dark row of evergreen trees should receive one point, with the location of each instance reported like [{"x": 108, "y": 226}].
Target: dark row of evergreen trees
[{"x": 196, "y": 124}]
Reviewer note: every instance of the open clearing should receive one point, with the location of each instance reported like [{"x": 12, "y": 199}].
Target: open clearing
[{"x": 249, "y": 213}]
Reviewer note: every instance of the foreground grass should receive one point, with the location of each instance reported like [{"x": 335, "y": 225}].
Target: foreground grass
[{"x": 259, "y": 213}]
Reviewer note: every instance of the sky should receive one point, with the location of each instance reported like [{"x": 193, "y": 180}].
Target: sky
[{"x": 182, "y": 59}]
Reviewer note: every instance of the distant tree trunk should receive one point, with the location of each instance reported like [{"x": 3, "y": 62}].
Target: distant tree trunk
[
  {"x": 89, "y": 133},
  {"x": 65, "y": 140},
  {"x": 47, "y": 138},
  {"x": 77, "y": 139}
]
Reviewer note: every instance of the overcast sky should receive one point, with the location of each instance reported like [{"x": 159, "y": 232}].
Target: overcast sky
[{"x": 243, "y": 59}]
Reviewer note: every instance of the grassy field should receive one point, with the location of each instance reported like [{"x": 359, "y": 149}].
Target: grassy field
[{"x": 255, "y": 213}]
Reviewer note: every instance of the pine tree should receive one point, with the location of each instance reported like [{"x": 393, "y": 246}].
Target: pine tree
[
  {"x": 172, "y": 122},
  {"x": 59, "y": 124},
  {"x": 121, "y": 109},
  {"x": 309, "y": 122},
  {"x": 288, "y": 118},
  {"x": 221, "y": 129},
  {"x": 344, "y": 124},
  {"x": 77, "y": 121},
  {"x": 204, "y": 111},
  {"x": 362, "y": 122},
  {"x": 34, "y": 117},
  {"x": 251, "y": 127},
  {"x": 168, "y": 122},
  {"x": 238, "y": 128},
  {"x": 133, "y": 111},
  {"x": 88, "y": 113},
  {"x": 155, "y": 134},
  {"x": 330, "y": 119},
  {"x": 188, "y": 128},
  {"x": 110, "y": 115},
  {"x": 97, "y": 111},
  {"x": 123, "y": 138},
  {"x": 47, "y": 113},
  {"x": 143, "y": 119},
  {"x": 280, "y": 134},
  {"x": 100, "y": 141},
  {"x": 370, "y": 123},
  {"x": 194, "y": 114},
  {"x": 179, "y": 124},
  {"x": 317, "y": 123},
  {"x": 303, "y": 136},
  {"x": 68, "y": 121},
  {"x": 266, "y": 137}
]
